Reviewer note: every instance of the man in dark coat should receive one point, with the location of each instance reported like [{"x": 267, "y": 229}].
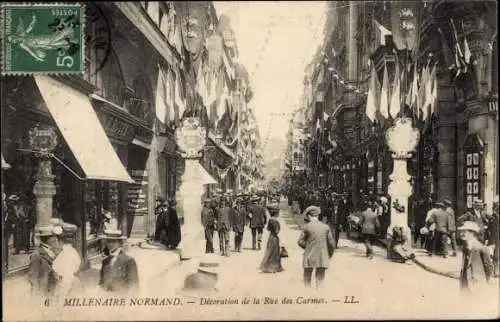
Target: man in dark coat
[
  {"x": 161, "y": 222},
  {"x": 258, "y": 218},
  {"x": 119, "y": 271},
  {"x": 452, "y": 225},
  {"x": 224, "y": 214},
  {"x": 238, "y": 221},
  {"x": 208, "y": 221},
  {"x": 441, "y": 219},
  {"x": 42, "y": 277}
]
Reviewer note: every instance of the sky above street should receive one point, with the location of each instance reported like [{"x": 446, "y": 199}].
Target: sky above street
[{"x": 275, "y": 40}]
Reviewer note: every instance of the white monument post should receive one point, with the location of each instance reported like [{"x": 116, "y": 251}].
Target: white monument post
[
  {"x": 191, "y": 140},
  {"x": 402, "y": 138}
]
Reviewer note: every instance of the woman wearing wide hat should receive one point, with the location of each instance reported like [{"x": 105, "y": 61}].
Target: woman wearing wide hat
[
  {"x": 67, "y": 263},
  {"x": 118, "y": 271},
  {"x": 272, "y": 257}
]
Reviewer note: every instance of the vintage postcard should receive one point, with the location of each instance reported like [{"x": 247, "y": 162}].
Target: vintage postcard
[{"x": 267, "y": 160}]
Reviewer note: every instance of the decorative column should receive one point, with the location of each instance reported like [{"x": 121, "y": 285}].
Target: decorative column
[
  {"x": 191, "y": 140},
  {"x": 43, "y": 140},
  {"x": 402, "y": 138}
]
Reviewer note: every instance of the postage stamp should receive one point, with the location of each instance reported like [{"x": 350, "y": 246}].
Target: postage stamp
[{"x": 42, "y": 38}]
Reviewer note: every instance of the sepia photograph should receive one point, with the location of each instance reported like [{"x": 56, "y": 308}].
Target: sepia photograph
[{"x": 249, "y": 160}]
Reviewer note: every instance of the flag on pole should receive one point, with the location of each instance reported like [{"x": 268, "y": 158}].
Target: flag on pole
[
  {"x": 384, "y": 95},
  {"x": 414, "y": 92},
  {"x": 396, "y": 93},
  {"x": 459, "y": 56},
  {"x": 422, "y": 100},
  {"x": 409, "y": 91},
  {"x": 372, "y": 101},
  {"x": 434, "y": 92}
]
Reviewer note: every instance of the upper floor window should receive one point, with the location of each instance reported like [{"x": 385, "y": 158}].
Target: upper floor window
[{"x": 142, "y": 102}]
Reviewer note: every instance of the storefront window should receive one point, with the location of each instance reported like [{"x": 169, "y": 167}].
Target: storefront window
[{"x": 473, "y": 170}]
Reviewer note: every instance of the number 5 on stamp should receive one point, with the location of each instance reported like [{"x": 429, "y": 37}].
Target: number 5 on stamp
[{"x": 42, "y": 38}]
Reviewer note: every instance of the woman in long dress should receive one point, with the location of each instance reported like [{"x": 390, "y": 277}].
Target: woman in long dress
[
  {"x": 173, "y": 227},
  {"x": 272, "y": 258}
]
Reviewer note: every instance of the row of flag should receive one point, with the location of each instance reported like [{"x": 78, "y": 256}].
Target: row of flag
[
  {"x": 462, "y": 56},
  {"x": 385, "y": 101}
]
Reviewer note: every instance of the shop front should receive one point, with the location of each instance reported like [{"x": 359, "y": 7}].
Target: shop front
[{"x": 62, "y": 164}]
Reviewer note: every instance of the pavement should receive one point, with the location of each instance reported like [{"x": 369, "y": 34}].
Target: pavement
[{"x": 354, "y": 288}]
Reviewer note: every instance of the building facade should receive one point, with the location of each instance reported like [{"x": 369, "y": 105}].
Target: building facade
[{"x": 458, "y": 151}]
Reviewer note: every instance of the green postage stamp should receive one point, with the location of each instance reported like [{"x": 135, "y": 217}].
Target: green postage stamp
[{"x": 42, "y": 38}]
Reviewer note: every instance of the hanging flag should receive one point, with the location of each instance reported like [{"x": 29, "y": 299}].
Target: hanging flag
[
  {"x": 434, "y": 93},
  {"x": 372, "y": 101},
  {"x": 396, "y": 93},
  {"x": 325, "y": 117},
  {"x": 414, "y": 92},
  {"x": 380, "y": 33},
  {"x": 384, "y": 95},
  {"x": 459, "y": 56},
  {"x": 409, "y": 96},
  {"x": 422, "y": 93},
  {"x": 160, "y": 106},
  {"x": 428, "y": 94},
  {"x": 467, "y": 53},
  {"x": 179, "y": 101},
  {"x": 446, "y": 51}
]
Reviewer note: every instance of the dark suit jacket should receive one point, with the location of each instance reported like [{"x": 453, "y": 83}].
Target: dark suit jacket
[
  {"x": 238, "y": 219},
  {"x": 442, "y": 220},
  {"x": 122, "y": 276},
  {"x": 42, "y": 277},
  {"x": 369, "y": 222},
  {"x": 259, "y": 218}
]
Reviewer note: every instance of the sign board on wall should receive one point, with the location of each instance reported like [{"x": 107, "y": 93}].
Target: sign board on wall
[{"x": 137, "y": 197}]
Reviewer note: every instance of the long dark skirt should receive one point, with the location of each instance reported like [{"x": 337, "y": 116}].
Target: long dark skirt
[{"x": 272, "y": 259}]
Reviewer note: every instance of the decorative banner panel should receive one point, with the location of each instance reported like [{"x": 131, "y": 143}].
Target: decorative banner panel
[{"x": 137, "y": 197}]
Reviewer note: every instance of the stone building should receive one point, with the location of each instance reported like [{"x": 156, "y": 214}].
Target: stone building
[{"x": 457, "y": 155}]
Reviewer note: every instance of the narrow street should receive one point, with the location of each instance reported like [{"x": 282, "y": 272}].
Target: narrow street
[{"x": 381, "y": 287}]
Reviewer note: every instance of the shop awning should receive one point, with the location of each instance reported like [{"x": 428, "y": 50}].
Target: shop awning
[
  {"x": 205, "y": 176},
  {"x": 82, "y": 130},
  {"x": 5, "y": 165}
]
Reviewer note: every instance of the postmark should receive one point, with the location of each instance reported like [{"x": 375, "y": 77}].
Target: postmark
[{"x": 43, "y": 39}]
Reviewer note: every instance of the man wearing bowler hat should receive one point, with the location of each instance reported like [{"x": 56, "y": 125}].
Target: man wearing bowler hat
[
  {"x": 453, "y": 227},
  {"x": 118, "y": 271},
  {"x": 258, "y": 218},
  {"x": 208, "y": 221},
  {"x": 42, "y": 277}
]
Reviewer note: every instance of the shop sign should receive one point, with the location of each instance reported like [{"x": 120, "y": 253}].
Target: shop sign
[
  {"x": 137, "y": 196},
  {"x": 116, "y": 128}
]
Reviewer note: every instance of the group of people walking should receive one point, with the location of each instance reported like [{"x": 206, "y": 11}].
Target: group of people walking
[{"x": 226, "y": 213}]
